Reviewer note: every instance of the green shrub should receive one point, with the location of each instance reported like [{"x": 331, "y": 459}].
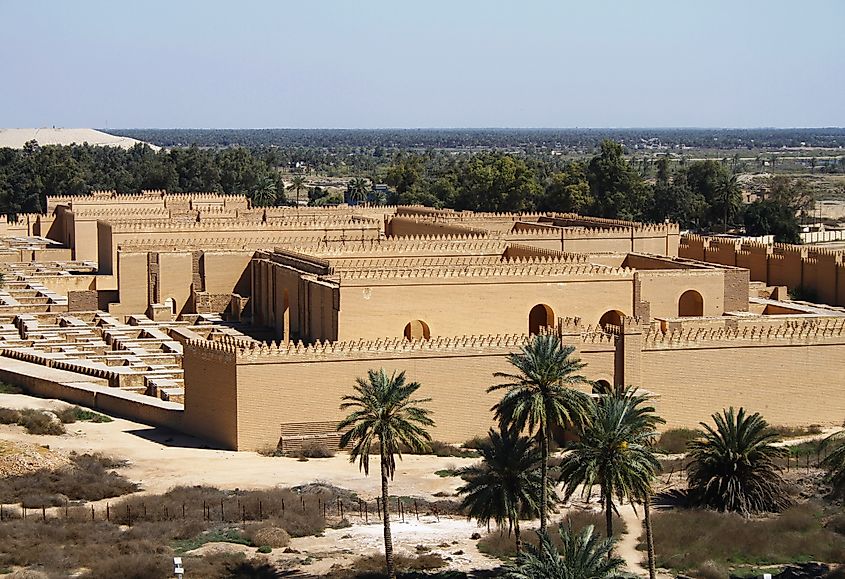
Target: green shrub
[
  {"x": 73, "y": 414},
  {"x": 6, "y": 388},
  {"x": 265, "y": 549},
  {"x": 674, "y": 440}
]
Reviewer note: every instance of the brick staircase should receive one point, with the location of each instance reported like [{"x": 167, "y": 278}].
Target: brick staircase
[{"x": 294, "y": 435}]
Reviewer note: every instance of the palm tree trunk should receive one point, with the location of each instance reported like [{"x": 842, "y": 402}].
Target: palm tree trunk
[
  {"x": 608, "y": 515},
  {"x": 649, "y": 539},
  {"x": 544, "y": 474},
  {"x": 388, "y": 539},
  {"x": 516, "y": 535}
]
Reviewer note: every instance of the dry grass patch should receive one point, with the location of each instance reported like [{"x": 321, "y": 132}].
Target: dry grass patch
[
  {"x": 674, "y": 440},
  {"x": 708, "y": 542},
  {"x": 89, "y": 477}
]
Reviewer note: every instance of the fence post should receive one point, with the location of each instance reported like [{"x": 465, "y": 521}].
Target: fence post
[
  {"x": 128, "y": 515},
  {"x": 222, "y": 513},
  {"x": 92, "y": 512},
  {"x": 166, "y": 513},
  {"x": 43, "y": 513},
  {"x": 183, "y": 511},
  {"x": 260, "y": 516},
  {"x": 108, "y": 514}
]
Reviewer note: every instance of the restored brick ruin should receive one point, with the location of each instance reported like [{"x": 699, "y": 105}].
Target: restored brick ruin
[{"x": 245, "y": 326}]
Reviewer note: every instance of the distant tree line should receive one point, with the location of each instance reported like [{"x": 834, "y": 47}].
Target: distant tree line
[
  {"x": 377, "y": 140},
  {"x": 28, "y": 175},
  {"x": 700, "y": 195}
]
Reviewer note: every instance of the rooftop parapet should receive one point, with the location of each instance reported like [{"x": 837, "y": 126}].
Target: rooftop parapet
[
  {"x": 543, "y": 267},
  {"x": 263, "y": 352},
  {"x": 803, "y": 331}
]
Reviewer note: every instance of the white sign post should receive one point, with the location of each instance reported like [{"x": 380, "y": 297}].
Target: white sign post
[{"x": 178, "y": 570}]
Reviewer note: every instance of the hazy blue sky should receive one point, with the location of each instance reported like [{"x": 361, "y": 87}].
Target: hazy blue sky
[{"x": 426, "y": 63}]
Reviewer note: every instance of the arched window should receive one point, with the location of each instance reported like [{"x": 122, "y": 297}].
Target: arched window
[
  {"x": 690, "y": 304},
  {"x": 540, "y": 316},
  {"x": 613, "y": 317},
  {"x": 602, "y": 387},
  {"x": 417, "y": 330}
]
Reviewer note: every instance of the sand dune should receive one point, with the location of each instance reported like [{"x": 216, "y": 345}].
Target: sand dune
[{"x": 15, "y": 138}]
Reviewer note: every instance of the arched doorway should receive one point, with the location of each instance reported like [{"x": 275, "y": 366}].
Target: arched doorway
[
  {"x": 540, "y": 316},
  {"x": 690, "y": 304},
  {"x": 417, "y": 330},
  {"x": 171, "y": 303},
  {"x": 612, "y": 317},
  {"x": 602, "y": 387}
]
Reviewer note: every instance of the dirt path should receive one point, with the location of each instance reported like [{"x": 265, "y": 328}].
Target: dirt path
[{"x": 627, "y": 545}]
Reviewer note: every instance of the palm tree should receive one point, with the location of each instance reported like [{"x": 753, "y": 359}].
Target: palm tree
[
  {"x": 834, "y": 463},
  {"x": 615, "y": 452},
  {"x": 538, "y": 397},
  {"x": 728, "y": 198},
  {"x": 358, "y": 188},
  {"x": 264, "y": 192},
  {"x": 505, "y": 486},
  {"x": 297, "y": 184},
  {"x": 384, "y": 412},
  {"x": 733, "y": 466},
  {"x": 581, "y": 556}
]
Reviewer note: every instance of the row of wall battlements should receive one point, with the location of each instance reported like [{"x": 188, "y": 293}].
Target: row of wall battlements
[
  {"x": 241, "y": 352},
  {"x": 829, "y": 330},
  {"x": 503, "y": 269}
]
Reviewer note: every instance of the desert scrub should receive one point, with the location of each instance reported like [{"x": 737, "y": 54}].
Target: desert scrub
[
  {"x": 674, "y": 440},
  {"x": 698, "y": 540},
  {"x": 89, "y": 477},
  {"x": 73, "y": 414}
]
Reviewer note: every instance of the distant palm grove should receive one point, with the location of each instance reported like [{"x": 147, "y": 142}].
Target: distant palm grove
[{"x": 600, "y": 180}]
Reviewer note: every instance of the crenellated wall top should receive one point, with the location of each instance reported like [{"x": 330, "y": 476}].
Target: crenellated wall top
[
  {"x": 803, "y": 331},
  {"x": 261, "y": 352}
]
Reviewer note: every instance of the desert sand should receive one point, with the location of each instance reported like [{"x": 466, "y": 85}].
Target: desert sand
[{"x": 15, "y": 138}]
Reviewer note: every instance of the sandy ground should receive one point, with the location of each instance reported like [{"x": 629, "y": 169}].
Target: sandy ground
[
  {"x": 16, "y": 138},
  {"x": 160, "y": 459}
]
